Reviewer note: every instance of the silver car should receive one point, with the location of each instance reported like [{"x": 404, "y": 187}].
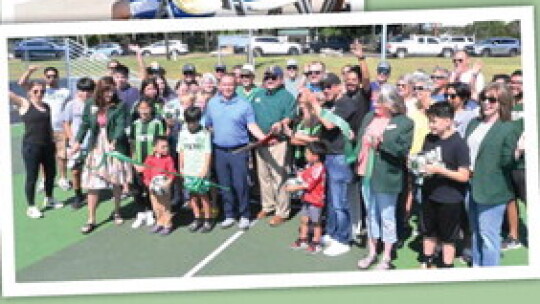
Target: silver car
[{"x": 497, "y": 46}]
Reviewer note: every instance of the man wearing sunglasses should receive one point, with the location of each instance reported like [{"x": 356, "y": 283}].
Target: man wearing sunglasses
[
  {"x": 440, "y": 80},
  {"x": 57, "y": 98},
  {"x": 314, "y": 75},
  {"x": 274, "y": 108},
  {"x": 463, "y": 72},
  {"x": 338, "y": 232},
  {"x": 247, "y": 88},
  {"x": 292, "y": 79}
]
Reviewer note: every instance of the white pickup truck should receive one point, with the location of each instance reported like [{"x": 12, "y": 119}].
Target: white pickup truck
[
  {"x": 418, "y": 45},
  {"x": 274, "y": 46}
]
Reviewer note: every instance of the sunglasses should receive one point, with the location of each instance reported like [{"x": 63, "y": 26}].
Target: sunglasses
[
  {"x": 490, "y": 99},
  {"x": 419, "y": 88},
  {"x": 189, "y": 73},
  {"x": 38, "y": 92},
  {"x": 292, "y": 67},
  {"x": 220, "y": 71},
  {"x": 401, "y": 85},
  {"x": 51, "y": 76},
  {"x": 450, "y": 96},
  {"x": 313, "y": 72},
  {"x": 245, "y": 76},
  {"x": 458, "y": 60},
  {"x": 438, "y": 77},
  {"x": 270, "y": 77}
]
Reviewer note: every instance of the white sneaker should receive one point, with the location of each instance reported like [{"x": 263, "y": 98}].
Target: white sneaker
[
  {"x": 243, "y": 223},
  {"x": 141, "y": 218},
  {"x": 150, "y": 221},
  {"x": 228, "y": 222},
  {"x": 336, "y": 248},
  {"x": 51, "y": 202},
  {"x": 33, "y": 212},
  {"x": 64, "y": 184},
  {"x": 327, "y": 240}
]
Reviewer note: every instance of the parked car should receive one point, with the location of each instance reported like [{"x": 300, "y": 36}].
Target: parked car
[
  {"x": 459, "y": 42},
  {"x": 402, "y": 46},
  {"x": 274, "y": 46},
  {"x": 38, "y": 49},
  {"x": 176, "y": 47},
  {"x": 108, "y": 48},
  {"x": 496, "y": 46},
  {"x": 333, "y": 42}
]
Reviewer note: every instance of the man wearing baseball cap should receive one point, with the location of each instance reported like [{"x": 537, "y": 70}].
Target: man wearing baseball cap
[
  {"x": 219, "y": 70},
  {"x": 247, "y": 88},
  {"x": 274, "y": 108},
  {"x": 189, "y": 71},
  {"x": 340, "y": 175},
  {"x": 292, "y": 79},
  {"x": 383, "y": 73}
]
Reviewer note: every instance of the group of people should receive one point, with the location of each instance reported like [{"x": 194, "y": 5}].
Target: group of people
[{"x": 354, "y": 152}]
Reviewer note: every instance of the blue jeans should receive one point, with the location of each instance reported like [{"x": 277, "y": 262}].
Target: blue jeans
[
  {"x": 381, "y": 214},
  {"x": 485, "y": 221},
  {"x": 338, "y": 220}
]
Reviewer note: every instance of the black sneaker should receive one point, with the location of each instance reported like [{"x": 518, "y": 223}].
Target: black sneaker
[
  {"x": 206, "y": 227},
  {"x": 195, "y": 225},
  {"x": 77, "y": 203}
]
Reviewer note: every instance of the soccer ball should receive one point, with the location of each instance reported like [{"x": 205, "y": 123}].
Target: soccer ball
[
  {"x": 173, "y": 112},
  {"x": 157, "y": 185},
  {"x": 295, "y": 181}
]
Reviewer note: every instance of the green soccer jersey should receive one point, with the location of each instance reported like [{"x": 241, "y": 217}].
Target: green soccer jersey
[{"x": 143, "y": 134}]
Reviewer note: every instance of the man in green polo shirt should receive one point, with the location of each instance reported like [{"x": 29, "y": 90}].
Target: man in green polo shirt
[
  {"x": 274, "y": 107},
  {"x": 247, "y": 88}
]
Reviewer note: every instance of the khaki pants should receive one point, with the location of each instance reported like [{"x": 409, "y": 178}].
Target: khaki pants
[
  {"x": 161, "y": 204},
  {"x": 272, "y": 174}
]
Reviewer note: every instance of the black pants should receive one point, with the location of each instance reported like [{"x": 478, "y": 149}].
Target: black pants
[{"x": 35, "y": 155}]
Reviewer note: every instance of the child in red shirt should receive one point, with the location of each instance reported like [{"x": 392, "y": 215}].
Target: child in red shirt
[
  {"x": 157, "y": 163},
  {"x": 312, "y": 183}
]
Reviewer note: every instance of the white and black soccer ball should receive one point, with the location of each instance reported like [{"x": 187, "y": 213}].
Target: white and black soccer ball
[{"x": 157, "y": 185}]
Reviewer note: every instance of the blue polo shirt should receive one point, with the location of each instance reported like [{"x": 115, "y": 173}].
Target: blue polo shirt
[
  {"x": 315, "y": 88},
  {"x": 229, "y": 120}
]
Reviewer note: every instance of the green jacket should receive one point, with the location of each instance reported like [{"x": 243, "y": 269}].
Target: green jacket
[
  {"x": 116, "y": 125},
  {"x": 390, "y": 157},
  {"x": 491, "y": 182}
]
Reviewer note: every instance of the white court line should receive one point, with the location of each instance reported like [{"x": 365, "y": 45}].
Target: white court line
[{"x": 214, "y": 254}]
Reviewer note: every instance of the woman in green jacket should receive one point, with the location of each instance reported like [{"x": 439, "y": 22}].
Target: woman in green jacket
[
  {"x": 384, "y": 138},
  {"x": 492, "y": 141},
  {"x": 104, "y": 118}
]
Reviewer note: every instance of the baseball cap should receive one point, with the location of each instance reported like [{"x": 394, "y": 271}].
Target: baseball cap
[
  {"x": 188, "y": 67},
  {"x": 292, "y": 62},
  {"x": 274, "y": 70},
  {"x": 247, "y": 69},
  {"x": 330, "y": 79},
  {"x": 220, "y": 67},
  {"x": 384, "y": 68}
]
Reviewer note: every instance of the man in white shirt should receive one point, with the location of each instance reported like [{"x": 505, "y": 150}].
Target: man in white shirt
[{"x": 463, "y": 72}]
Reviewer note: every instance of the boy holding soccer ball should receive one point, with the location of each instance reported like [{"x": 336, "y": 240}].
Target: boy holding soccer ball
[{"x": 157, "y": 177}]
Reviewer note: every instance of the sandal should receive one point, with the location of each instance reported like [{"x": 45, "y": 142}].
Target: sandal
[
  {"x": 87, "y": 228},
  {"x": 117, "y": 218},
  {"x": 366, "y": 262}
]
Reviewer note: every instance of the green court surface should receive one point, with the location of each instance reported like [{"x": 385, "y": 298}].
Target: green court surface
[{"x": 53, "y": 249}]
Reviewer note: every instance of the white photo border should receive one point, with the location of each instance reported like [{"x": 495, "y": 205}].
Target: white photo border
[{"x": 525, "y": 14}]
